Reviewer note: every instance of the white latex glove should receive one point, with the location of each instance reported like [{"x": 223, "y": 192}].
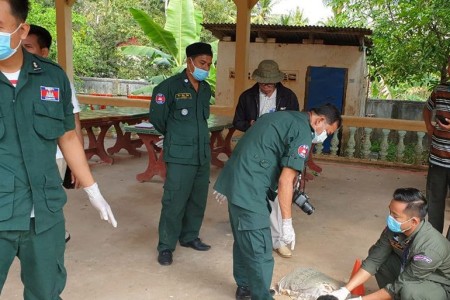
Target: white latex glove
[
  {"x": 100, "y": 204},
  {"x": 357, "y": 298},
  {"x": 341, "y": 293},
  {"x": 160, "y": 142},
  {"x": 288, "y": 236},
  {"x": 221, "y": 198}
]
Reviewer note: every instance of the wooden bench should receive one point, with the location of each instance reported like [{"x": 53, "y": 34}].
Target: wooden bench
[
  {"x": 104, "y": 119},
  {"x": 218, "y": 143}
]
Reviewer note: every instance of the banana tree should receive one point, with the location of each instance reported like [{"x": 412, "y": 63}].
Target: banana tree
[{"x": 182, "y": 27}]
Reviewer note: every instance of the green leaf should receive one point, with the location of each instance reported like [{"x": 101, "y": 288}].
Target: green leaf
[
  {"x": 155, "y": 32},
  {"x": 144, "y": 51},
  {"x": 181, "y": 22}
]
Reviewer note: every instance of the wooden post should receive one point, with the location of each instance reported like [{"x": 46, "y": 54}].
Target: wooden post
[
  {"x": 64, "y": 35},
  {"x": 243, "y": 8}
]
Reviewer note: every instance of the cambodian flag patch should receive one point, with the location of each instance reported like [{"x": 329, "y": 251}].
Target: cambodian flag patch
[
  {"x": 421, "y": 257},
  {"x": 49, "y": 93},
  {"x": 303, "y": 151},
  {"x": 160, "y": 98}
]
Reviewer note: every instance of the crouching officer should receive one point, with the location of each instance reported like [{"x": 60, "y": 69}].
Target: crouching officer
[
  {"x": 269, "y": 156},
  {"x": 411, "y": 259},
  {"x": 180, "y": 111}
]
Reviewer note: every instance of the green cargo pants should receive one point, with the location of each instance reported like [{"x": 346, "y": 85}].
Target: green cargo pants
[
  {"x": 252, "y": 251},
  {"x": 183, "y": 204},
  {"x": 41, "y": 260},
  {"x": 417, "y": 290}
]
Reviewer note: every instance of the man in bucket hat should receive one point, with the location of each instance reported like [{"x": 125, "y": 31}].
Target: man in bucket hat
[{"x": 266, "y": 96}]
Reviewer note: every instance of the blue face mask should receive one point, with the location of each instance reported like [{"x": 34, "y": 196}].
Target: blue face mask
[
  {"x": 5, "y": 44},
  {"x": 199, "y": 74},
  {"x": 394, "y": 225}
]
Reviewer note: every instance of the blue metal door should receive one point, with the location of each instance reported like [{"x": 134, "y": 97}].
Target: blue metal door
[{"x": 325, "y": 85}]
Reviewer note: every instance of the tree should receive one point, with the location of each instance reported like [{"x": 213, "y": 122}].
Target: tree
[
  {"x": 182, "y": 27},
  {"x": 112, "y": 25},
  {"x": 411, "y": 38},
  {"x": 43, "y": 13},
  {"x": 261, "y": 13}
]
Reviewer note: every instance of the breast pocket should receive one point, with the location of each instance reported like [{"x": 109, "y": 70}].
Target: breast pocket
[
  {"x": 184, "y": 110},
  {"x": 48, "y": 120}
]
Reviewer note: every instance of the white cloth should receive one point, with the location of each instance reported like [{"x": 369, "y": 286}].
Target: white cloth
[
  {"x": 267, "y": 104},
  {"x": 76, "y": 109},
  {"x": 276, "y": 224}
]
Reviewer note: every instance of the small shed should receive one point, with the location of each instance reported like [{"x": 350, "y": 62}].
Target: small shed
[{"x": 321, "y": 64}]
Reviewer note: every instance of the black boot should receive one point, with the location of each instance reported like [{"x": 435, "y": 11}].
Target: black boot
[{"x": 243, "y": 292}]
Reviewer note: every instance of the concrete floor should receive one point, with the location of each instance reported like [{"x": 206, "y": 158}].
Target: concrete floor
[{"x": 120, "y": 264}]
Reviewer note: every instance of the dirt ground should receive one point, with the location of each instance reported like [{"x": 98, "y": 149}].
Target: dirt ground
[{"x": 120, "y": 264}]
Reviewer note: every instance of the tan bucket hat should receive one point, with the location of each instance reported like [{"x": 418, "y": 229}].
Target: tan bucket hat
[{"x": 268, "y": 72}]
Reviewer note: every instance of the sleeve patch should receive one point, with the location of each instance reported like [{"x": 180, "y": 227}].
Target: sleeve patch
[
  {"x": 160, "y": 98},
  {"x": 421, "y": 257},
  {"x": 303, "y": 151}
]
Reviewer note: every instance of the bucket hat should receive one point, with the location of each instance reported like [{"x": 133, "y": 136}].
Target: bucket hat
[{"x": 268, "y": 72}]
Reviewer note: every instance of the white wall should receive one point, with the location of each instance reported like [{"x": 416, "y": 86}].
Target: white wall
[{"x": 294, "y": 59}]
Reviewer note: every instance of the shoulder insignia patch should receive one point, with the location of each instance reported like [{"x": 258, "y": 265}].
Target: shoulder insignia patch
[
  {"x": 422, "y": 257},
  {"x": 303, "y": 151},
  {"x": 160, "y": 98}
]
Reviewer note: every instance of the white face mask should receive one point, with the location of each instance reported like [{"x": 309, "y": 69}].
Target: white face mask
[{"x": 320, "y": 138}]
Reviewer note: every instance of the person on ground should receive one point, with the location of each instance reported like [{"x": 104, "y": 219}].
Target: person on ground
[{"x": 410, "y": 260}]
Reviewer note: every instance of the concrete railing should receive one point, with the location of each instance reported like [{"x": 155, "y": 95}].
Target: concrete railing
[{"x": 352, "y": 143}]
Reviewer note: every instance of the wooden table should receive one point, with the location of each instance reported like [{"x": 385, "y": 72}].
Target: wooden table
[
  {"x": 156, "y": 166},
  {"x": 104, "y": 119}
]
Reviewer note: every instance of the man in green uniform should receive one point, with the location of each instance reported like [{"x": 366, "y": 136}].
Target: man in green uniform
[
  {"x": 411, "y": 259},
  {"x": 180, "y": 110},
  {"x": 36, "y": 114},
  {"x": 269, "y": 156}
]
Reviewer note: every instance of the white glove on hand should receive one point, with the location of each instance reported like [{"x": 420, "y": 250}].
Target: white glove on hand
[
  {"x": 341, "y": 293},
  {"x": 221, "y": 198},
  {"x": 357, "y": 298},
  {"x": 100, "y": 204},
  {"x": 160, "y": 142},
  {"x": 288, "y": 236}
]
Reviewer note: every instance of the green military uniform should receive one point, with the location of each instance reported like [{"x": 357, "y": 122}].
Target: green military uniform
[
  {"x": 33, "y": 115},
  {"x": 180, "y": 113},
  {"x": 249, "y": 179},
  {"x": 414, "y": 267}
]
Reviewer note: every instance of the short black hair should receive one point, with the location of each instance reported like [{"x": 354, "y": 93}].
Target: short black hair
[
  {"x": 416, "y": 201},
  {"x": 44, "y": 38},
  {"x": 330, "y": 112},
  {"x": 19, "y": 9}
]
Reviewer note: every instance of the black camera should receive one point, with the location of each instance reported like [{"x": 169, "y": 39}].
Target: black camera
[{"x": 302, "y": 201}]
